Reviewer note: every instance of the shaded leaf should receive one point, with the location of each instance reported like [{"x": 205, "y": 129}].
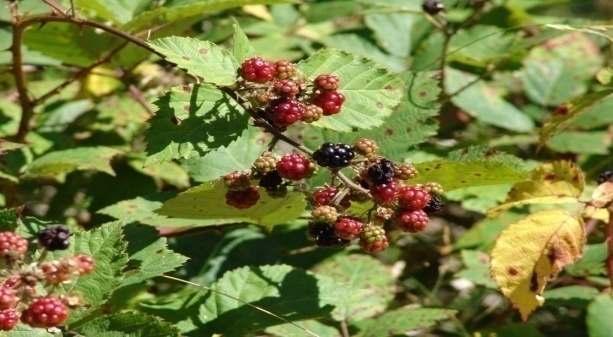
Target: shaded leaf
[
  {"x": 207, "y": 202},
  {"x": 131, "y": 323},
  {"x": 591, "y": 263},
  {"x": 287, "y": 330},
  {"x": 58, "y": 164},
  {"x": 599, "y": 323},
  {"x": 370, "y": 285},
  {"x": 476, "y": 268},
  {"x": 399, "y": 321}
]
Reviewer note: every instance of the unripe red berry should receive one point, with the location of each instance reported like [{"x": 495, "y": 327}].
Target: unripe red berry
[
  {"x": 242, "y": 199},
  {"x": 258, "y": 70},
  {"x": 12, "y": 245},
  {"x": 412, "y": 198},
  {"x": 412, "y": 221},
  {"x": 8, "y": 298},
  {"x": 295, "y": 166},
  {"x": 329, "y": 101},
  {"x": 85, "y": 264},
  {"x": 385, "y": 194},
  {"x": 45, "y": 312},
  {"x": 348, "y": 228},
  {"x": 326, "y": 82},
  {"x": 287, "y": 88},
  {"x": 8, "y": 319},
  {"x": 323, "y": 196},
  {"x": 285, "y": 112}
]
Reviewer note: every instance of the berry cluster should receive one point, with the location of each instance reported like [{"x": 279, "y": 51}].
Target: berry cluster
[
  {"x": 26, "y": 289},
  {"x": 396, "y": 204},
  {"x": 271, "y": 173},
  {"x": 282, "y": 95}
]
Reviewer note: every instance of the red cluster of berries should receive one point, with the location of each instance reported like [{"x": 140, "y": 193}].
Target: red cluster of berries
[
  {"x": 396, "y": 204},
  {"x": 26, "y": 289},
  {"x": 271, "y": 173},
  {"x": 283, "y": 96}
]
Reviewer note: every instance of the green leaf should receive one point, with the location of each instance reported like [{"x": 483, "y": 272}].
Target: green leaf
[
  {"x": 483, "y": 234},
  {"x": 118, "y": 11},
  {"x": 58, "y": 164},
  {"x": 237, "y": 156},
  {"x": 576, "y": 108},
  {"x": 358, "y": 45},
  {"x": 410, "y": 124},
  {"x": 370, "y": 285},
  {"x": 476, "y": 268},
  {"x": 142, "y": 210},
  {"x": 472, "y": 167},
  {"x": 599, "y": 313},
  {"x": 202, "y": 59},
  {"x": 8, "y": 219},
  {"x": 193, "y": 121},
  {"x": 479, "y": 198},
  {"x": 371, "y": 92},
  {"x": 596, "y": 115},
  {"x": 571, "y": 293},
  {"x": 481, "y": 45},
  {"x": 167, "y": 172},
  {"x": 482, "y": 102},
  {"x": 131, "y": 323},
  {"x": 399, "y": 321},
  {"x": 190, "y": 11},
  {"x": 393, "y": 31},
  {"x": 287, "y": 330},
  {"x": 149, "y": 255},
  {"x": 557, "y": 71},
  {"x": 106, "y": 245},
  {"x": 6, "y": 146},
  {"x": 22, "y": 330},
  {"x": 207, "y": 202},
  {"x": 581, "y": 142},
  {"x": 241, "y": 47},
  {"x": 290, "y": 293},
  {"x": 591, "y": 263},
  {"x": 69, "y": 44}
]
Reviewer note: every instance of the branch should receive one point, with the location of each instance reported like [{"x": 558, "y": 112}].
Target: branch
[
  {"x": 27, "y": 108},
  {"x": 609, "y": 232},
  {"x": 77, "y": 75}
]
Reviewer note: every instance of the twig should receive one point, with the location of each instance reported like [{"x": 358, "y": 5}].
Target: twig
[
  {"x": 27, "y": 108},
  {"x": 344, "y": 328},
  {"x": 258, "y": 308},
  {"x": 77, "y": 75},
  {"x": 609, "y": 231},
  {"x": 138, "y": 96}
]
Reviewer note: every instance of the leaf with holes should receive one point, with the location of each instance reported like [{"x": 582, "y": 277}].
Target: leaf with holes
[{"x": 371, "y": 93}]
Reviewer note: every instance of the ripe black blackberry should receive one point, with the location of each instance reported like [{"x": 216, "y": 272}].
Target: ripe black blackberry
[
  {"x": 605, "y": 176},
  {"x": 334, "y": 155},
  {"x": 381, "y": 172},
  {"x": 55, "y": 237},
  {"x": 435, "y": 204},
  {"x": 433, "y": 7},
  {"x": 324, "y": 235}
]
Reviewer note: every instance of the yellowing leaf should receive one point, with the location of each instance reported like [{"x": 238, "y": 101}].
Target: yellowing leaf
[
  {"x": 532, "y": 251},
  {"x": 552, "y": 183},
  {"x": 101, "y": 81},
  {"x": 603, "y": 195}
]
